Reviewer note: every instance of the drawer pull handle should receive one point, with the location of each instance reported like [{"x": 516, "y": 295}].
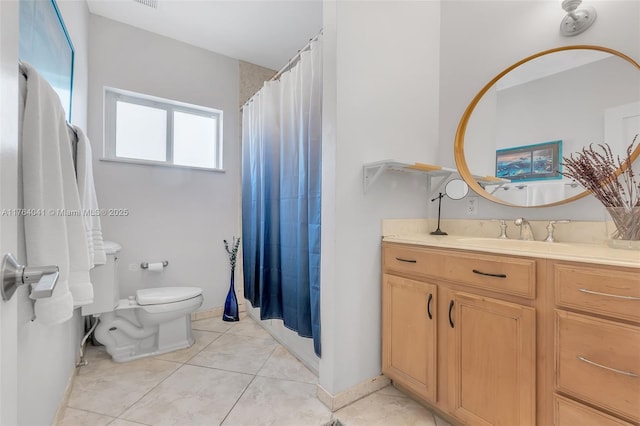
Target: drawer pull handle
[
  {"x": 429, "y": 306},
  {"x": 451, "y": 309},
  {"x": 617, "y": 296},
  {"x": 406, "y": 260},
  {"x": 475, "y": 271},
  {"x": 626, "y": 373}
]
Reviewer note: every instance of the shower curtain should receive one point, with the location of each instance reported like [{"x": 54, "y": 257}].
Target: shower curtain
[{"x": 281, "y": 184}]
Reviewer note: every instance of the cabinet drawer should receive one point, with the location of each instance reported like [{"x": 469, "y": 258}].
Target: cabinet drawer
[
  {"x": 571, "y": 413},
  {"x": 416, "y": 261},
  {"x": 602, "y": 291},
  {"x": 502, "y": 274},
  {"x": 599, "y": 361}
]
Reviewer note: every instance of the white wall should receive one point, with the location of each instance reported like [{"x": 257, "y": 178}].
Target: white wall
[
  {"x": 179, "y": 215},
  {"x": 380, "y": 100},
  {"x": 398, "y": 76},
  {"x": 474, "y": 50},
  {"x": 47, "y": 354}
]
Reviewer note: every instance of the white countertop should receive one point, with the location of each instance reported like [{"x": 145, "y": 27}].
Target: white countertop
[{"x": 576, "y": 252}]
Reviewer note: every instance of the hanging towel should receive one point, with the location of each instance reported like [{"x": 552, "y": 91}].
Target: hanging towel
[
  {"x": 540, "y": 193},
  {"x": 56, "y": 235},
  {"x": 89, "y": 200}
]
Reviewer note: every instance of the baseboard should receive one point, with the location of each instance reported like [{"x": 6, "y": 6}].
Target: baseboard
[
  {"x": 344, "y": 398},
  {"x": 65, "y": 399}
]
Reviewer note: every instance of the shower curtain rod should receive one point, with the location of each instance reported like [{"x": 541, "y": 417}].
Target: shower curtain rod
[
  {"x": 295, "y": 58},
  {"x": 290, "y": 64}
]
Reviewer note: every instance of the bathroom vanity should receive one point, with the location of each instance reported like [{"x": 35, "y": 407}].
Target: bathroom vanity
[{"x": 508, "y": 332}]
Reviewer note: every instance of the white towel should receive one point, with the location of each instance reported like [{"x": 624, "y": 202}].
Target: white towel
[
  {"x": 56, "y": 237},
  {"x": 545, "y": 192},
  {"x": 89, "y": 200}
]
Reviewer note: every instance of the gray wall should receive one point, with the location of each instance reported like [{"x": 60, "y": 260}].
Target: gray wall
[{"x": 176, "y": 214}]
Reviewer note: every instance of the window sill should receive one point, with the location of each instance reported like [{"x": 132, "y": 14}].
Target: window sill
[{"x": 160, "y": 164}]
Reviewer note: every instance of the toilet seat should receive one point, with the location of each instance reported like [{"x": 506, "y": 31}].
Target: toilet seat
[{"x": 162, "y": 295}]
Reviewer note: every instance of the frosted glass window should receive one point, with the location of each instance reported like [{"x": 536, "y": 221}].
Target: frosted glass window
[
  {"x": 141, "y": 132},
  {"x": 154, "y": 131},
  {"x": 194, "y": 140}
]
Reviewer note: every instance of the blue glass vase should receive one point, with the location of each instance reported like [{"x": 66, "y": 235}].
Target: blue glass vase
[{"x": 231, "y": 304}]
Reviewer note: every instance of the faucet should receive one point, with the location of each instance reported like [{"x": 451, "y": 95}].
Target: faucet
[
  {"x": 551, "y": 227},
  {"x": 503, "y": 228},
  {"x": 526, "y": 233}
]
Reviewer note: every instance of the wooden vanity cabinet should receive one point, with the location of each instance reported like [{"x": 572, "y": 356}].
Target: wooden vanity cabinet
[
  {"x": 471, "y": 352},
  {"x": 597, "y": 344},
  {"x": 491, "y": 339}
]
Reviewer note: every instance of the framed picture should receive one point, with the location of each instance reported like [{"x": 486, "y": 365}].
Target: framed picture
[
  {"x": 530, "y": 162},
  {"x": 45, "y": 44}
]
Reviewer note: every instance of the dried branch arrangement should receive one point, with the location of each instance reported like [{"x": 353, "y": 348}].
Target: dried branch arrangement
[{"x": 596, "y": 170}]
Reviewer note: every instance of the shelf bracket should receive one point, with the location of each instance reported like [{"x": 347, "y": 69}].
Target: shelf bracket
[
  {"x": 371, "y": 172},
  {"x": 433, "y": 187}
]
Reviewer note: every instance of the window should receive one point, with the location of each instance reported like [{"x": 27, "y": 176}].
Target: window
[{"x": 150, "y": 130}]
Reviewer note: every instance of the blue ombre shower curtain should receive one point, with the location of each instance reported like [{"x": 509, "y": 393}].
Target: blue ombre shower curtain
[{"x": 281, "y": 189}]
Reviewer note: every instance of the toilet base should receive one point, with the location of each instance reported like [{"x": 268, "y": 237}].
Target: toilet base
[{"x": 126, "y": 340}]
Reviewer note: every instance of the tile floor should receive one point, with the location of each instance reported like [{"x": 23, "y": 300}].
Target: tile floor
[{"x": 235, "y": 374}]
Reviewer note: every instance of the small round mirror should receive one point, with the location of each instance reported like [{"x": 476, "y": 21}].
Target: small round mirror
[{"x": 456, "y": 189}]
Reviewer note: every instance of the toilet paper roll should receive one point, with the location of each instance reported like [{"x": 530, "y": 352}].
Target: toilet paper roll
[{"x": 156, "y": 267}]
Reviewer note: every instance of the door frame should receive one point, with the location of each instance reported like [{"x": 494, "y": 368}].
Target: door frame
[{"x": 9, "y": 157}]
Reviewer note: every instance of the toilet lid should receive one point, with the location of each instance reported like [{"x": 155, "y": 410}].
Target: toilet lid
[{"x": 160, "y": 295}]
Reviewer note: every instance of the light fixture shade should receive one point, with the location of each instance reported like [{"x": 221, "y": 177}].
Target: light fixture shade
[{"x": 577, "y": 20}]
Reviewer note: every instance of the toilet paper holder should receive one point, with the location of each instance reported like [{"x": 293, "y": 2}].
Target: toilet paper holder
[{"x": 145, "y": 265}]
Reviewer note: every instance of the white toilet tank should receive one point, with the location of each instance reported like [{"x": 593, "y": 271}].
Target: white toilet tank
[{"x": 106, "y": 290}]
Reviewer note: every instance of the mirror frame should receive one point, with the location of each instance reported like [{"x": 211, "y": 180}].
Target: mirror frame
[{"x": 458, "y": 148}]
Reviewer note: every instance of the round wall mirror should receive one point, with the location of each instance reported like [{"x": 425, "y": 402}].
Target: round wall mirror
[
  {"x": 456, "y": 189},
  {"x": 513, "y": 135}
]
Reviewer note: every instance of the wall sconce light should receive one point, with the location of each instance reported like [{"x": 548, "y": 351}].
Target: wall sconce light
[{"x": 576, "y": 21}]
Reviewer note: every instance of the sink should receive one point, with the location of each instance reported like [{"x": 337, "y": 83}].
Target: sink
[{"x": 519, "y": 245}]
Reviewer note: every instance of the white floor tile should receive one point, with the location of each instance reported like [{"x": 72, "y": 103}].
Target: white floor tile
[
  {"x": 282, "y": 365},
  {"x": 383, "y": 410},
  {"x": 73, "y": 417},
  {"x": 191, "y": 396},
  {"x": 278, "y": 402},
  {"x": 242, "y": 354},
  {"x": 107, "y": 387}
]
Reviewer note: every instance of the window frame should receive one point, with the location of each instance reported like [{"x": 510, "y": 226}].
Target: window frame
[{"x": 113, "y": 95}]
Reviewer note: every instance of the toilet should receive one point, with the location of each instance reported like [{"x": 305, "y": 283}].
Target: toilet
[{"x": 153, "y": 322}]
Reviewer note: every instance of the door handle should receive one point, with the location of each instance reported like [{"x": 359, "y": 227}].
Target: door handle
[
  {"x": 429, "y": 305},
  {"x": 450, "y": 311},
  {"x": 43, "y": 279}
]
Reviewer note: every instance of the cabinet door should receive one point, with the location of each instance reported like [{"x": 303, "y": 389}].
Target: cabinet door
[
  {"x": 409, "y": 334},
  {"x": 492, "y": 369}
]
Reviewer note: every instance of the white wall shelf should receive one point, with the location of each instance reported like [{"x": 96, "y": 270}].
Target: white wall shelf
[{"x": 372, "y": 171}]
